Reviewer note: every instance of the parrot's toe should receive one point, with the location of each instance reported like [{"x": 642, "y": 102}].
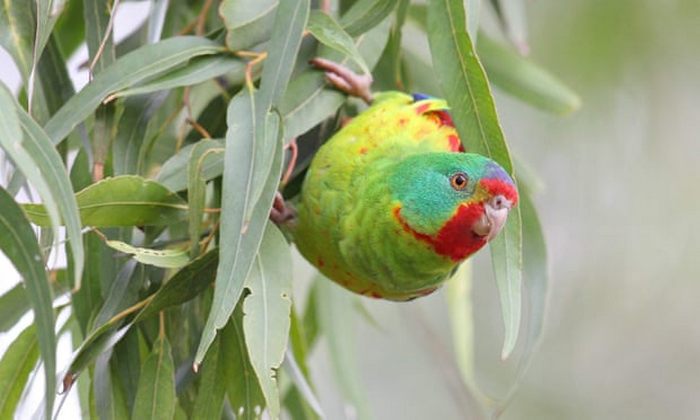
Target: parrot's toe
[
  {"x": 344, "y": 79},
  {"x": 280, "y": 212}
]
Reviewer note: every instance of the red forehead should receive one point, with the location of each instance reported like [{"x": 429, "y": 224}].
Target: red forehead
[{"x": 496, "y": 186}]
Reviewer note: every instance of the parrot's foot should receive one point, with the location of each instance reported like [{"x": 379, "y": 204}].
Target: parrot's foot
[
  {"x": 280, "y": 213},
  {"x": 344, "y": 79}
]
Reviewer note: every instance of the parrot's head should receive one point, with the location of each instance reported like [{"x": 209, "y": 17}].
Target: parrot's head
[{"x": 455, "y": 202}]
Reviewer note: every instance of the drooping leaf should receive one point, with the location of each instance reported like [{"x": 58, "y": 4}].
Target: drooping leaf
[
  {"x": 187, "y": 283},
  {"x": 122, "y": 292},
  {"x": 156, "y": 20},
  {"x": 365, "y": 15},
  {"x": 467, "y": 91},
  {"x": 17, "y": 30},
  {"x": 133, "y": 124},
  {"x": 302, "y": 388},
  {"x": 16, "y": 364},
  {"x": 109, "y": 397},
  {"x": 266, "y": 320},
  {"x": 459, "y": 303},
  {"x": 212, "y": 387},
  {"x": 247, "y": 22},
  {"x": 156, "y": 388},
  {"x": 18, "y": 243},
  {"x": 242, "y": 386},
  {"x": 335, "y": 310},
  {"x": 325, "y": 29},
  {"x": 173, "y": 173},
  {"x": 137, "y": 66},
  {"x": 45, "y": 157},
  {"x": 524, "y": 79},
  {"x": 196, "y": 185},
  {"x": 163, "y": 258},
  {"x": 197, "y": 71},
  {"x": 240, "y": 238},
  {"x": 125, "y": 200},
  {"x": 13, "y": 305}
]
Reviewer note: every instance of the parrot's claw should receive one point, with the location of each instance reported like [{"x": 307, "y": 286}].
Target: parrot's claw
[
  {"x": 344, "y": 79},
  {"x": 280, "y": 213}
]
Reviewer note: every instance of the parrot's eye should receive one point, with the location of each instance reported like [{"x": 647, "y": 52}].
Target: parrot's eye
[{"x": 459, "y": 181}]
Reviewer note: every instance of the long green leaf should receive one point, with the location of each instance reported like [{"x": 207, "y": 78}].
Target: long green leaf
[
  {"x": 242, "y": 386},
  {"x": 46, "y": 158},
  {"x": 187, "y": 283},
  {"x": 16, "y": 365},
  {"x": 198, "y": 71},
  {"x": 467, "y": 91},
  {"x": 524, "y": 79},
  {"x": 137, "y": 66},
  {"x": 18, "y": 243},
  {"x": 212, "y": 387},
  {"x": 131, "y": 131},
  {"x": 13, "y": 305},
  {"x": 335, "y": 310},
  {"x": 163, "y": 258},
  {"x": 196, "y": 184},
  {"x": 365, "y": 15},
  {"x": 17, "y": 33},
  {"x": 125, "y": 200},
  {"x": 247, "y": 22},
  {"x": 240, "y": 238},
  {"x": 156, "y": 391},
  {"x": 459, "y": 303},
  {"x": 266, "y": 321},
  {"x": 325, "y": 29},
  {"x": 173, "y": 173}
]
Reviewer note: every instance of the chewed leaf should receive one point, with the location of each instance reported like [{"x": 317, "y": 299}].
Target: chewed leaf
[
  {"x": 266, "y": 321},
  {"x": 164, "y": 258}
]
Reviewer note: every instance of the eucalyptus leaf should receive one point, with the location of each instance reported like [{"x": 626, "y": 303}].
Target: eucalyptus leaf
[
  {"x": 335, "y": 309},
  {"x": 163, "y": 258},
  {"x": 197, "y": 71},
  {"x": 324, "y": 28},
  {"x": 196, "y": 185},
  {"x": 266, "y": 321},
  {"x": 18, "y": 243},
  {"x": 524, "y": 79},
  {"x": 125, "y": 200},
  {"x": 13, "y": 305},
  {"x": 173, "y": 174},
  {"x": 242, "y": 386},
  {"x": 212, "y": 388},
  {"x": 156, "y": 388},
  {"x": 467, "y": 91},
  {"x": 17, "y": 31},
  {"x": 16, "y": 364},
  {"x": 365, "y": 15},
  {"x": 137, "y": 66},
  {"x": 247, "y": 22},
  {"x": 240, "y": 238}
]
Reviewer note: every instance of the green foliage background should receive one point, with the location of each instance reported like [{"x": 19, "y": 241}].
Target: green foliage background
[{"x": 171, "y": 128}]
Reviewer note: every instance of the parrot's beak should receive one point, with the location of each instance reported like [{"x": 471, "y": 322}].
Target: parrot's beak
[{"x": 494, "y": 217}]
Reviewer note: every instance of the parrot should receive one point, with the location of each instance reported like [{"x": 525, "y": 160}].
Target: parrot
[{"x": 391, "y": 204}]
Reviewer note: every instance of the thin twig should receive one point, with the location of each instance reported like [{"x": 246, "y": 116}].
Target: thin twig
[
  {"x": 202, "y": 18},
  {"x": 105, "y": 38}
]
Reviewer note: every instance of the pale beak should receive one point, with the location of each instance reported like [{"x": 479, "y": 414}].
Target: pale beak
[{"x": 494, "y": 217}]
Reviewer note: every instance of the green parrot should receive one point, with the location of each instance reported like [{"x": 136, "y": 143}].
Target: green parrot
[{"x": 391, "y": 204}]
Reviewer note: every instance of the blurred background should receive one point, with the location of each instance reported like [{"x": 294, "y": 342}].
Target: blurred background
[{"x": 619, "y": 204}]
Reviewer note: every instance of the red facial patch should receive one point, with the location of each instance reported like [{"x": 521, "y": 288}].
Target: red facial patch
[
  {"x": 497, "y": 186},
  {"x": 420, "y": 109},
  {"x": 455, "y": 239}
]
